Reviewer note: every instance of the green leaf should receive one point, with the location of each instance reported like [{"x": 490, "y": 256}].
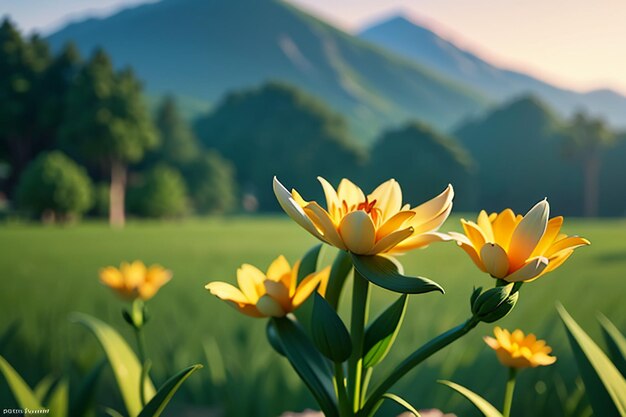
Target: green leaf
[
  {"x": 329, "y": 333},
  {"x": 308, "y": 265},
  {"x": 274, "y": 338},
  {"x": 616, "y": 342},
  {"x": 124, "y": 362},
  {"x": 43, "y": 388},
  {"x": 605, "y": 386},
  {"x": 384, "y": 272},
  {"x": 342, "y": 265},
  {"x": 402, "y": 402},
  {"x": 59, "y": 399},
  {"x": 157, "y": 404},
  {"x": 310, "y": 365},
  {"x": 80, "y": 403},
  {"x": 479, "y": 402},
  {"x": 215, "y": 362},
  {"x": 381, "y": 333},
  {"x": 112, "y": 413},
  {"x": 24, "y": 396}
]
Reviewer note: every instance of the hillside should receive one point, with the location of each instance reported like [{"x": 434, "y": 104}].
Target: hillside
[
  {"x": 203, "y": 48},
  {"x": 415, "y": 42}
]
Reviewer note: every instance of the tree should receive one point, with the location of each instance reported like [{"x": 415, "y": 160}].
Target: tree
[
  {"x": 55, "y": 187},
  {"x": 211, "y": 181},
  {"x": 586, "y": 139},
  {"x": 107, "y": 122},
  {"x": 278, "y": 130},
  {"x": 179, "y": 145},
  {"x": 22, "y": 63},
  {"x": 162, "y": 194},
  {"x": 424, "y": 162}
]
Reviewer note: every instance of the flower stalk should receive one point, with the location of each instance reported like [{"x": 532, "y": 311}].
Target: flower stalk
[
  {"x": 508, "y": 393},
  {"x": 417, "y": 357},
  {"x": 360, "y": 310}
]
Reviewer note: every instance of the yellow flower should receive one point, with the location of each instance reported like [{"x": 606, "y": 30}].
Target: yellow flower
[
  {"x": 368, "y": 225},
  {"x": 274, "y": 293},
  {"x": 518, "y": 351},
  {"x": 135, "y": 280},
  {"x": 516, "y": 248}
]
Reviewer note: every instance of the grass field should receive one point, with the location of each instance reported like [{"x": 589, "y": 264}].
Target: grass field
[{"x": 48, "y": 272}]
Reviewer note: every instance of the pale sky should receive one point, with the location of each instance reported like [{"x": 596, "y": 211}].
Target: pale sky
[{"x": 579, "y": 44}]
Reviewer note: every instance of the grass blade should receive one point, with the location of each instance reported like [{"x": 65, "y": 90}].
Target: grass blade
[
  {"x": 124, "y": 362},
  {"x": 24, "y": 396},
  {"x": 157, "y": 404},
  {"x": 605, "y": 386},
  {"x": 479, "y": 402},
  {"x": 616, "y": 343}
]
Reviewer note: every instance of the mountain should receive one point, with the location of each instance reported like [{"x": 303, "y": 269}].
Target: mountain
[
  {"x": 519, "y": 152},
  {"x": 402, "y": 36},
  {"x": 204, "y": 48}
]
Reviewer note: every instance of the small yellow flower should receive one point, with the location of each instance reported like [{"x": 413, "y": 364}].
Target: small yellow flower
[
  {"x": 518, "y": 351},
  {"x": 273, "y": 294},
  {"x": 368, "y": 225},
  {"x": 135, "y": 280},
  {"x": 516, "y": 248}
]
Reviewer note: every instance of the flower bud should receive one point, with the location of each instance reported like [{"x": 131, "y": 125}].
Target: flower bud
[{"x": 494, "y": 303}]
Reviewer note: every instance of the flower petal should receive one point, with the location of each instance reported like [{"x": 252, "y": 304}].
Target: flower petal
[
  {"x": 249, "y": 279},
  {"x": 270, "y": 307},
  {"x": 307, "y": 286},
  {"x": 420, "y": 241},
  {"x": 393, "y": 223},
  {"x": 293, "y": 209},
  {"x": 495, "y": 260},
  {"x": 503, "y": 226},
  {"x": 474, "y": 234},
  {"x": 388, "y": 242},
  {"x": 227, "y": 292},
  {"x": 278, "y": 268},
  {"x": 465, "y": 244},
  {"x": 528, "y": 233},
  {"x": 357, "y": 232},
  {"x": 332, "y": 201},
  {"x": 485, "y": 225},
  {"x": 432, "y": 224},
  {"x": 552, "y": 231},
  {"x": 324, "y": 224},
  {"x": 531, "y": 269},
  {"x": 388, "y": 196},
  {"x": 435, "y": 206},
  {"x": 350, "y": 193},
  {"x": 112, "y": 277},
  {"x": 569, "y": 243},
  {"x": 278, "y": 292}
]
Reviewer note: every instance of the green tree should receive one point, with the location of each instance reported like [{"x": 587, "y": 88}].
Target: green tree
[
  {"x": 212, "y": 184},
  {"x": 424, "y": 162},
  {"x": 586, "y": 140},
  {"x": 22, "y": 63},
  {"x": 278, "y": 130},
  {"x": 108, "y": 123},
  {"x": 179, "y": 145},
  {"x": 161, "y": 194},
  {"x": 55, "y": 186}
]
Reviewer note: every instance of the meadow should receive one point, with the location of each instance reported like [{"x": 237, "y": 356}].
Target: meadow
[{"x": 48, "y": 272}]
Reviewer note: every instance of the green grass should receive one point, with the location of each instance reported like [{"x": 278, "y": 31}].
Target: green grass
[{"x": 48, "y": 272}]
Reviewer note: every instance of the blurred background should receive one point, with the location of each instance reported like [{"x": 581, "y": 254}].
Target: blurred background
[{"x": 184, "y": 110}]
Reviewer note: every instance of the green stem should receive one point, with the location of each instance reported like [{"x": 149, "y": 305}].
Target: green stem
[
  {"x": 424, "y": 352},
  {"x": 345, "y": 409},
  {"x": 360, "y": 304},
  {"x": 141, "y": 351},
  {"x": 508, "y": 393}
]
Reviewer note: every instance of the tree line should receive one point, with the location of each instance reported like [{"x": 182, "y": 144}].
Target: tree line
[{"x": 76, "y": 137}]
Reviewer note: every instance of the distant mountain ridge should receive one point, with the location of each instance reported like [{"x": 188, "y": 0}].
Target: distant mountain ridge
[
  {"x": 418, "y": 43},
  {"x": 204, "y": 48}
]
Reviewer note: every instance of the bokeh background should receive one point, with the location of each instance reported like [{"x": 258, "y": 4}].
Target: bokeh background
[{"x": 173, "y": 116}]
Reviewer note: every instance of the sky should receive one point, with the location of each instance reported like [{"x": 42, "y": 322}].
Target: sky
[{"x": 577, "y": 44}]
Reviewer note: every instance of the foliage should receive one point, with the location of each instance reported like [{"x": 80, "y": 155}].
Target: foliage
[
  {"x": 424, "y": 162},
  {"x": 516, "y": 147},
  {"x": 55, "y": 184},
  {"x": 280, "y": 124},
  {"x": 211, "y": 182},
  {"x": 162, "y": 193}
]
